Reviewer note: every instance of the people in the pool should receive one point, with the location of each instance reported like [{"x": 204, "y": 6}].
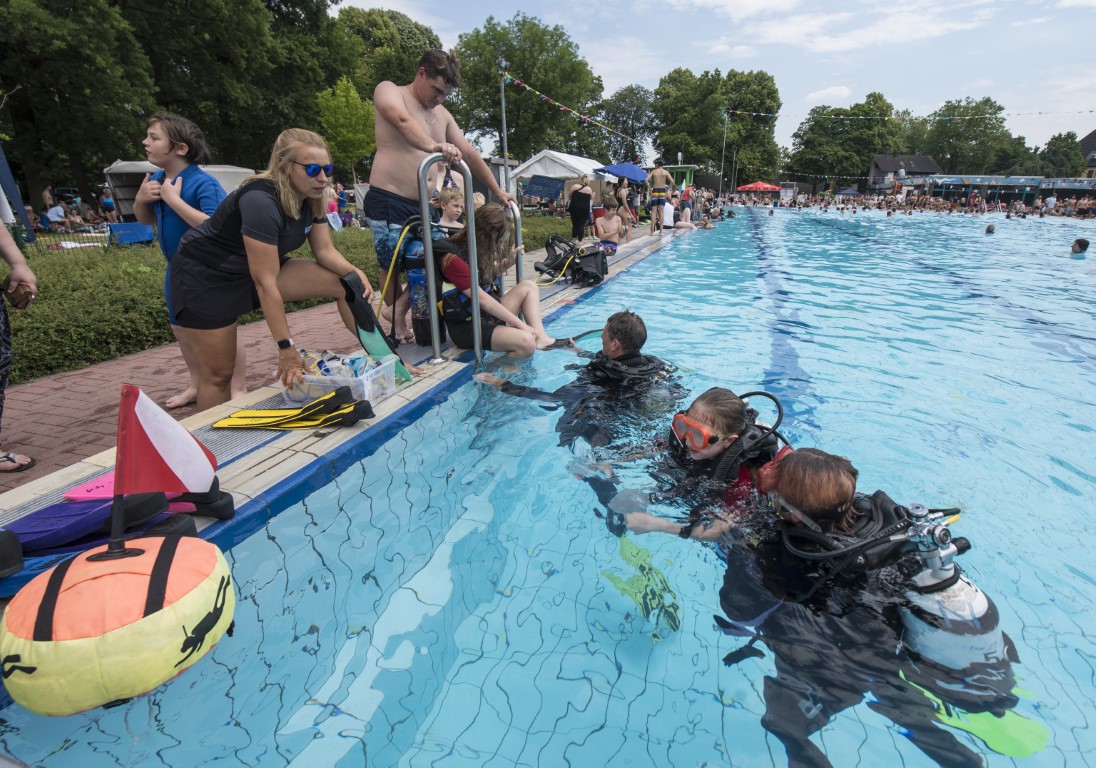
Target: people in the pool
[
  {"x": 619, "y": 378},
  {"x": 1080, "y": 245},
  {"x": 892, "y": 623},
  {"x": 710, "y": 463}
]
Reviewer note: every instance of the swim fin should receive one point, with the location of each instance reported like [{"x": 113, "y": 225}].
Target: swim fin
[
  {"x": 370, "y": 335},
  {"x": 343, "y": 417},
  {"x": 252, "y": 419}
]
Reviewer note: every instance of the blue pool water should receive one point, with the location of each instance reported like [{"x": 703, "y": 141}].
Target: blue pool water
[{"x": 451, "y": 598}]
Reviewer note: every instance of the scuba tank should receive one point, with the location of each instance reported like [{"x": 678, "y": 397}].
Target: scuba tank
[
  {"x": 949, "y": 625},
  {"x": 947, "y": 618}
]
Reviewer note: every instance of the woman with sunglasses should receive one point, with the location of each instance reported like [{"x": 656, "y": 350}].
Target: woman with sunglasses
[
  {"x": 714, "y": 455},
  {"x": 237, "y": 261}
]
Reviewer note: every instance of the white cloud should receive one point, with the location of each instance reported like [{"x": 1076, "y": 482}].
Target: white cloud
[
  {"x": 834, "y": 33},
  {"x": 833, "y": 93},
  {"x": 1030, "y": 22},
  {"x": 738, "y": 9},
  {"x": 725, "y": 47},
  {"x": 1077, "y": 3}
]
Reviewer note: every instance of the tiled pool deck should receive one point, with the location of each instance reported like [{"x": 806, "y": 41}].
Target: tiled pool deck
[{"x": 68, "y": 421}]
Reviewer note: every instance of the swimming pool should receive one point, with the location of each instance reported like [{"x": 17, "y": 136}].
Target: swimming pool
[{"x": 451, "y": 599}]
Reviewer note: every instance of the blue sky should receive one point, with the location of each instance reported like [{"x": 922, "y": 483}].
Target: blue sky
[{"x": 1028, "y": 55}]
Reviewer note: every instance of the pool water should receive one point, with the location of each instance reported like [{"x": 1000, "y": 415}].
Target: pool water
[{"x": 453, "y": 599}]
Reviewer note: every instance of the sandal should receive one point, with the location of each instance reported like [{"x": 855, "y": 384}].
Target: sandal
[{"x": 9, "y": 458}]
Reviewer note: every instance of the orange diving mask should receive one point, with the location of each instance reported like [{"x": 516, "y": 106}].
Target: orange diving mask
[{"x": 692, "y": 434}]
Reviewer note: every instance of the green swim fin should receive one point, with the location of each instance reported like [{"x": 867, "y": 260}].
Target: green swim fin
[
  {"x": 343, "y": 417},
  {"x": 253, "y": 419},
  {"x": 369, "y": 330}
]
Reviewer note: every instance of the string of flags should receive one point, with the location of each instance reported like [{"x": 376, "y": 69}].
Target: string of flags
[
  {"x": 511, "y": 80},
  {"x": 730, "y": 111}
]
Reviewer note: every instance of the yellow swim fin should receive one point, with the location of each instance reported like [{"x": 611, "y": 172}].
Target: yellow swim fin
[
  {"x": 256, "y": 418},
  {"x": 343, "y": 417}
]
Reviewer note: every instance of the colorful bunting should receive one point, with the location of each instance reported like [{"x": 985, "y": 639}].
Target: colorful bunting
[
  {"x": 895, "y": 117},
  {"x": 511, "y": 80}
]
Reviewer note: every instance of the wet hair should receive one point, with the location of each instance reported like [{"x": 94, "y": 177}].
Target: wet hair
[
  {"x": 449, "y": 195},
  {"x": 818, "y": 484},
  {"x": 723, "y": 408},
  {"x": 990, "y": 229},
  {"x": 443, "y": 64},
  {"x": 658, "y": 161},
  {"x": 1082, "y": 244},
  {"x": 180, "y": 130},
  {"x": 492, "y": 238},
  {"x": 629, "y": 329},
  {"x": 280, "y": 166}
]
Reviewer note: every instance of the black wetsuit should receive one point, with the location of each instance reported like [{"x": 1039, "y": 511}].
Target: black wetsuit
[
  {"x": 839, "y": 646},
  {"x": 606, "y": 394}
]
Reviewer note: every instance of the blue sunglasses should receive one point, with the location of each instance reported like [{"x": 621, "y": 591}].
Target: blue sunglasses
[{"x": 312, "y": 170}]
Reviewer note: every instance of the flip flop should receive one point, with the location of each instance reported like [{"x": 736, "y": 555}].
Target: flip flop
[{"x": 10, "y": 458}]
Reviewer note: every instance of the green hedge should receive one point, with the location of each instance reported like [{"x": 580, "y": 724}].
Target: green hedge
[{"x": 97, "y": 304}]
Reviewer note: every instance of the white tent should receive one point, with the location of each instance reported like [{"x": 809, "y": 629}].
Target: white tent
[
  {"x": 125, "y": 176},
  {"x": 559, "y": 165}
]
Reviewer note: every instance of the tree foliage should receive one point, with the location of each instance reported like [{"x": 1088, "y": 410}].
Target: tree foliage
[
  {"x": 347, "y": 122},
  {"x": 964, "y": 135},
  {"x": 836, "y": 142},
  {"x": 628, "y": 111},
  {"x": 391, "y": 45},
  {"x": 689, "y": 117},
  {"x": 218, "y": 76},
  {"x": 79, "y": 89},
  {"x": 1061, "y": 157},
  {"x": 751, "y": 137},
  {"x": 87, "y": 75},
  {"x": 546, "y": 59}
]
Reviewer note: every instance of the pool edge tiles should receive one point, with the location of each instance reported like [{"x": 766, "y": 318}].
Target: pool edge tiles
[{"x": 287, "y": 475}]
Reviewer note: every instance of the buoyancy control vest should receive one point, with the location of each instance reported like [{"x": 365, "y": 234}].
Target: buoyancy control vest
[{"x": 455, "y": 307}]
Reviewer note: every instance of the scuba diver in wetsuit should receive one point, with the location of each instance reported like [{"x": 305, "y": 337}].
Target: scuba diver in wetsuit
[
  {"x": 858, "y": 598},
  {"x": 618, "y": 382},
  {"x": 709, "y": 463}
]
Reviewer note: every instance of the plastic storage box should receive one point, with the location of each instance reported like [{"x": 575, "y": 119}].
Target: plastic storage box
[{"x": 375, "y": 385}]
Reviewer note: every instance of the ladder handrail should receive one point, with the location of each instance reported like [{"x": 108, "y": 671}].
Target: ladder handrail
[{"x": 428, "y": 256}]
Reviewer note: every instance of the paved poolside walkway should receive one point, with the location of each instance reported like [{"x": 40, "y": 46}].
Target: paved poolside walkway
[{"x": 62, "y": 419}]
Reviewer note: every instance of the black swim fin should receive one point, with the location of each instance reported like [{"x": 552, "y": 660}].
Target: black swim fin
[
  {"x": 370, "y": 335},
  {"x": 257, "y": 419},
  {"x": 343, "y": 417}
]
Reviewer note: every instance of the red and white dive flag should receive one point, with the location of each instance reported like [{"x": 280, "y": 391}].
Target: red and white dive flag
[{"x": 157, "y": 453}]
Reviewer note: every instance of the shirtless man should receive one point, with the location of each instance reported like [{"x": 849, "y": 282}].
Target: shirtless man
[
  {"x": 659, "y": 180},
  {"x": 410, "y": 123},
  {"x": 610, "y": 228}
]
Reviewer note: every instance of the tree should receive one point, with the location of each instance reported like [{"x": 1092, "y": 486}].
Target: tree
[
  {"x": 391, "y": 45},
  {"x": 1061, "y": 157},
  {"x": 1015, "y": 158},
  {"x": 78, "y": 89},
  {"x": 546, "y": 59},
  {"x": 347, "y": 123},
  {"x": 217, "y": 74},
  {"x": 821, "y": 147},
  {"x": 628, "y": 111},
  {"x": 688, "y": 113},
  {"x": 842, "y": 143},
  {"x": 964, "y": 136},
  {"x": 912, "y": 133},
  {"x": 752, "y": 135}
]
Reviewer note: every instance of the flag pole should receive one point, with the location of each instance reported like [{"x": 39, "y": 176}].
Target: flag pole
[{"x": 116, "y": 548}]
